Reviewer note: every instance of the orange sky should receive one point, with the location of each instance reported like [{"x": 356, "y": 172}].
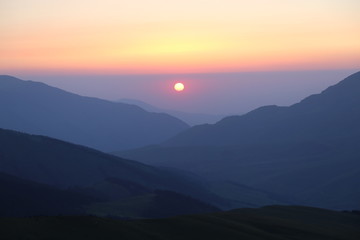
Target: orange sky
[{"x": 165, "y": 36}]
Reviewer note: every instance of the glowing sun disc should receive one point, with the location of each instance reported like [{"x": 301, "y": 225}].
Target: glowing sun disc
[{"x": 179, "y": 87}]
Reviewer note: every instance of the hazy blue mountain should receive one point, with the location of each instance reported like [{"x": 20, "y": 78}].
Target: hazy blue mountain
[
  {"x": 190, "y": 118},
  {"x": 309, "y": 173},
  {"x": 37, "y": 108},
  {"x": 308, "y": 152},
  {"x": 273, "y": 222},
  {"x": 328, "y": 116}
]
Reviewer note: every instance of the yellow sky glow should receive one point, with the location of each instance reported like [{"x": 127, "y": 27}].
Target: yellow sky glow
[{"x": 159, "y": 36}]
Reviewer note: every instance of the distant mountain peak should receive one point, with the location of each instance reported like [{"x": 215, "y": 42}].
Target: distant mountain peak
[
  {"x": 9, "y": 79},
  {"x": 343, "y": 93},
  {"x": 37, "y": 108},
  {"x": 318, "y": 116},
  {"x": 4, "y": 77},
  {"x": 350, "y": 82}
]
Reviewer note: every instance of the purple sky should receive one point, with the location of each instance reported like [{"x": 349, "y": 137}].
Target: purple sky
[{"x": 222, "y": 93}]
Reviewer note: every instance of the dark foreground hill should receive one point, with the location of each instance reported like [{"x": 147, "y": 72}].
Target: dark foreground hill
[
  {"x": 51, "y": 161},
  {"x": 61, "y": 164},
  {"x": 268, "y": 223},
  {"x": 20, "y": 197},
  {"x": 308, "y": 152},
  {"x": 37, "y": 108},
  {"x": 125, "y": 187}
]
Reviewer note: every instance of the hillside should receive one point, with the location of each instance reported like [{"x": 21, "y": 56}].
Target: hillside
[
  {"x": 310, "y": 174},
  {"x": 20, "y": 197},
  {"x": 190, "y": 118},
  {"x": 308, "y": 152},
  {"x": 328, "y": 116},
  {"x": 64, "y": 165},
  {"x": 37, "y": 108},
  {"x": 274, "y": 222}
]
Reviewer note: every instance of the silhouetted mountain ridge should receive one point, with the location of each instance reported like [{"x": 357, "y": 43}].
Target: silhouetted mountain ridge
[
  {"x": 327, "y": 116},
  {"x": 308, "y": 152},
  {"x": 37, "y": 108},
  {"x": 188, "y": 117},
  {"x": 54, "y": 162}
]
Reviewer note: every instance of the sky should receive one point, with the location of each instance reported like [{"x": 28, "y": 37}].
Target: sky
[
  {"x": 170, "y": 36},
  {"x": 211, "y": 93},
  {"x": 233, "y": 55}
]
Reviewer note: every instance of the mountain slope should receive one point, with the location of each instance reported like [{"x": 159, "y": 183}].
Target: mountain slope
[
  {"x": 155, "y": 204},
  {"x": 312, "y": 174},
  {"x": 328, "y": 116},
  {"x": 65, "y": 165},
  {"x": 21, "y": 197},
  {"x": 37, "y": 108},
  {"x": 274, "y": 222},
  {"x": 190, "y": 118},
  {"x": 308, "y": 152}
]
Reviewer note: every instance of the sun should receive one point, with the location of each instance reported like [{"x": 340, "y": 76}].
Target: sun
[{"x": 179, "y": 86}]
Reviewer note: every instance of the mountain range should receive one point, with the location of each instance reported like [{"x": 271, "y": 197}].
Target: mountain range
[
  {"x": 326, "y": 117},
  {"x": 308, "y": 152},
  {"x": 37, "y": 108},
  {"x": 190, "y": 118},
  {"x": 304, "y": 154},
  {"x": 44, "y": 176}
]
